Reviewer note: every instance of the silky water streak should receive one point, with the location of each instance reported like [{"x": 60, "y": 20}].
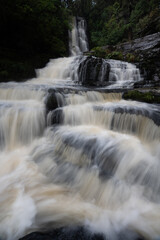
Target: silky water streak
[{"x": 93, "y": 161}]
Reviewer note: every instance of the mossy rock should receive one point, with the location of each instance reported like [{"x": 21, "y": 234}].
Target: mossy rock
[{"x": 148, "y": 97}]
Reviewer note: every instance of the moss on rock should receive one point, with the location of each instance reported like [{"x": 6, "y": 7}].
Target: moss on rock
[{"x": 148, "y": 97}]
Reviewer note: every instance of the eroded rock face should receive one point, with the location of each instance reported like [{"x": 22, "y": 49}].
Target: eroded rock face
[
  {"x": 147, "y": 52},
  {"x": 94, "y": 72}
]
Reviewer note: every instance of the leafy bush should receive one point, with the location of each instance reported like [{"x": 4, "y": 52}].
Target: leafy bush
[
  {"x": 148, "y": 97},
  {"x": 115, "y": 55},
  {"x": 99, "y": 52},
  {"x": 31, "y": 28},
  {"x": 130, "y": 57},
  {"x": 120, "y": 21}
]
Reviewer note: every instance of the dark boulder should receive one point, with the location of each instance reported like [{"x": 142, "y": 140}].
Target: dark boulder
[
  {"x": 93, "y": 71},
  {"x": 78, "y": 233},
  {"x": 54, "y": 100},
  {"x": 55, "y": 117}
]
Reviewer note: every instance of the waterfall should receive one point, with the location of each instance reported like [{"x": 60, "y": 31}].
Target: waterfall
[
  {"x": 93, "y": 160},
  {"x": 87, "y": 70},
  {"x": 78, "y": 39},
  {"x": 79, "y": 156},
  {"x": 123, "y": 74}
]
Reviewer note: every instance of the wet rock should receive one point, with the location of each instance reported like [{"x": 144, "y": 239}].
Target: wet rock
[
  {"x": 54, "y": 100},
  {"x": 142, "y": 44},
  {"x": 147, "y": 83},
  {"x": 55, "y": 117},
  {"x": 51, "y": 102},
  {"x": 94, "y": 72},
  {"x": 78, "y": 233},
  {"x": 147, "y": 51},
  {"x": 37, "y": 236}
]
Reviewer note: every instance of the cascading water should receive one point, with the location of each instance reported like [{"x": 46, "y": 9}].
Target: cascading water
[
  {"x": 87, "y": 70},
  {"x": 78, "y": 38},
  {"x": 123, "y": 74},
  {"x": 75, "y": 157}
]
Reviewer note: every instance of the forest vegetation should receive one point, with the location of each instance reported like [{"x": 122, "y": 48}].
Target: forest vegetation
[{"x": 32, "y": 31}]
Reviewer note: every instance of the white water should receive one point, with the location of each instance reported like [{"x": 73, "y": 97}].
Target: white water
[
  {"x": 99, "y": 167},
  {"x": 64, "y": 71},
  {"x": 123, "y": 74},
  {"x": 78, "y": 38}
]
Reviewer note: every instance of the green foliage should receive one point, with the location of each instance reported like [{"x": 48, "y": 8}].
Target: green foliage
[
  {"x": 115, "y": 55},
  {"x": 122, "y": 20},
  {"x": 16, "y": 68},
  {"x": 34, "y": 25},
  {"x": 130, "y": 57},
  {"x": 109, "y": 29},
  {"x": 112, "y": 54},
  {"x": 149, "y": 23},
  {"x": 140, "y": 10},
  {"x": 106, "y": 53},
  {"x": 79, "y": 7},
  {"x": 149, "y": 97},
  {"x": 99, "y": 52},
  {"x": 30, "y": 28}
]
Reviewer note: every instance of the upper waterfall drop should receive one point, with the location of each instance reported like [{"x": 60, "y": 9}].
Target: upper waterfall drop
[
  {"x": 78, "y": 42},
  {"x": 79, "y": 157},
  {"x": 86, "y": 70}
]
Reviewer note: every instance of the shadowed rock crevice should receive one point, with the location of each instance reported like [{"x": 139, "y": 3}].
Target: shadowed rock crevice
[{"x": 94, "y": 72}]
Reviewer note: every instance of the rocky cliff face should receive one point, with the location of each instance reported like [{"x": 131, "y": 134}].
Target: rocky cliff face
[{"x": 147, "y": 55}]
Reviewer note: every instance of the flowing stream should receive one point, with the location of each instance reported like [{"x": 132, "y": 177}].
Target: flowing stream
[{"x": 91, "y": 159}]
